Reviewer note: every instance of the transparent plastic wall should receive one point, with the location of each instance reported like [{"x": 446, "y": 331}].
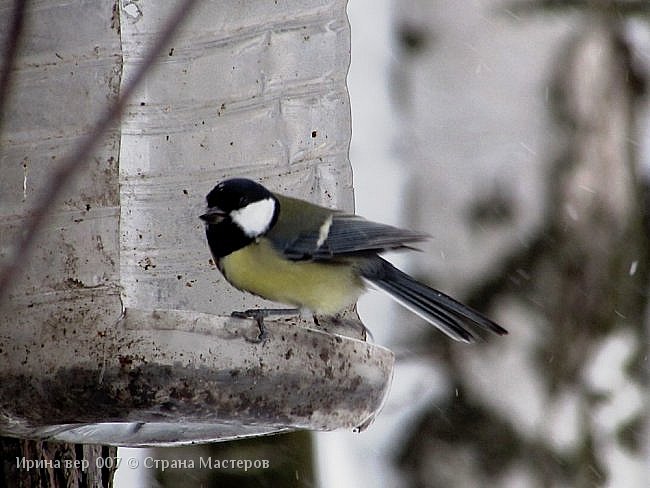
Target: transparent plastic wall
[
  {"x": 251, "y": 89},
  {"x": 118, "y": 329}
]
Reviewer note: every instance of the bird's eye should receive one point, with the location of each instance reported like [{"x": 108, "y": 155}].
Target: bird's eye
[{"x": 243, "y": 201}]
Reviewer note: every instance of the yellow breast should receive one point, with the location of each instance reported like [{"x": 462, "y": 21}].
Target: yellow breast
[{"x": 320, "y": 287}]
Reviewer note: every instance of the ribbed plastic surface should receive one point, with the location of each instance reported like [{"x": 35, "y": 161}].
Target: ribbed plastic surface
[{"x": 246, "y": 88}]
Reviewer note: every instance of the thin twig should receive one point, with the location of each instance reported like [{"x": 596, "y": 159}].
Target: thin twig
[{"x": 73, "y": 163}]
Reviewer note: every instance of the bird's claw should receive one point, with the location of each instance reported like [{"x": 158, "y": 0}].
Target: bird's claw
[{"x": 258, "y": 315}]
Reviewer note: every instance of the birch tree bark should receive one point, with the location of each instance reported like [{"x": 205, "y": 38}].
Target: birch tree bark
[{"x": 575, "y": 301}]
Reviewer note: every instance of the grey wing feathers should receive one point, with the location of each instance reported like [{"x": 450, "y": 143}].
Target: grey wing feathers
[{"x": 348, "y": 235}]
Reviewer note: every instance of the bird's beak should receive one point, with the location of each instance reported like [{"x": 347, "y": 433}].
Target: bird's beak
[{"x": 214, "y": 215}]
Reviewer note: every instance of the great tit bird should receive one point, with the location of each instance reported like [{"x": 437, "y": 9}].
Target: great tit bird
[{"x": 318, "y": 259}]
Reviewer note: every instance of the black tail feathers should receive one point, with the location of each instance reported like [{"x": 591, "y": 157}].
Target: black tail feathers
[{"x": 440, "y": 310}]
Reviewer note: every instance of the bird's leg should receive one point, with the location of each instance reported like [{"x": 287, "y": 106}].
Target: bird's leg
[{"x": 259, "y": 314}]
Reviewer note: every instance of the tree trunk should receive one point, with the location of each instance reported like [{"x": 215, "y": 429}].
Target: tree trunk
[{"x": 28, "y": 463}]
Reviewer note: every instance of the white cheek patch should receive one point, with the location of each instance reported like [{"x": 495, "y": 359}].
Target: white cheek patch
[{"x": 255, "y": 218}]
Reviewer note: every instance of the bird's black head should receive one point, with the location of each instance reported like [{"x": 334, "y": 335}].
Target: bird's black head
[
  {"x": 239, "y": 211},
  {"x": 236, "y": 193}
]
